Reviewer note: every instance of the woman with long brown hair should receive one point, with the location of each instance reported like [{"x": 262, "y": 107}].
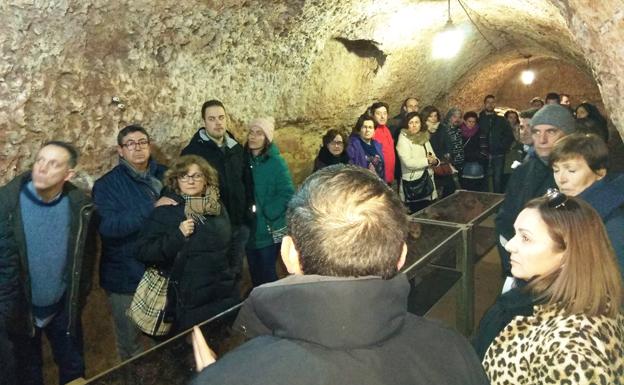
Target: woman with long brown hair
[{"x": 575, "y": 333}]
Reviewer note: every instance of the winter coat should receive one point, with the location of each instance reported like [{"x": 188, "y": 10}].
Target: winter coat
[
  {"x": 273, "y": 188},
  {"x": 528, "y": 181},
  {"x": 228, "y": 161},
  {"x": 326, "y": 158},
  {"x": 82, "y": 248},
  {"x": 357, "y": 156},
  {"x": 123, "y": 204},
  {"x": 498, "y": 131},
  {"x": 607, "y": 197},
  {"x": 330, "y": 330},
  {"x": 201, "y": 282},
  {"x": 9, "y": 271},
  {"x": 413, "y": 158},
  {"x": 384, "y": 137}
]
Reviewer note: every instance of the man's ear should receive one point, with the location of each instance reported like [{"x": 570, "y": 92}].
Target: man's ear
[
  {"x": 119, "y": 148},
  {"x": 71, "y": 173},
  {"x": 290, "y": 256},
  {"x": 401, "y": 262},
  {"x": 601, "y": 173}
]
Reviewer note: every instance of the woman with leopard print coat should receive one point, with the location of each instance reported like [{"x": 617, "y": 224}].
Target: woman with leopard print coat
[{"x": 576, "y": 332}]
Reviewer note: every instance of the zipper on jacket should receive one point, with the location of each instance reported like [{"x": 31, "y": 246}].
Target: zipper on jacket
[{"x": 79, "y": 242}]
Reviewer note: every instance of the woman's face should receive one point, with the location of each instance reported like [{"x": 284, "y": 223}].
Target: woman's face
[
  {"x": 471, "y": 122},
  {"x": 256, "y": 138},
  {"x": 368, "y": 130},
  {"x": 336, "y": 146},
  {"x": 413, "y": 126},
  {"x": 512, "y": 118},
  {"x": 573, "y": 176},
  {"x": 192, "y": 183},
  {"x": 581, "y": 112},
  {"x": 533, "y": 252},
  {"x": 433, "y": 117}
]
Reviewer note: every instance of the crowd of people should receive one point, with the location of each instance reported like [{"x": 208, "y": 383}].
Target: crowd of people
[{"x": 341, "y": 237}]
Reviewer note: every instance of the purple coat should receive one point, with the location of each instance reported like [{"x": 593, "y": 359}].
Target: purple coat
[{"x": 356, "y": 153}]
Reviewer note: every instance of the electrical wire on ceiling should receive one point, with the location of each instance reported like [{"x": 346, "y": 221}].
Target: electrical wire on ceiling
[{"x": 476, "y": 26}]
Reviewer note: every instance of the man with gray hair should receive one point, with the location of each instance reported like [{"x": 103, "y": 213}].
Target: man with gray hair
[
  {"x": 341, "y": 317},
  {"x": 533, "y": 177}
]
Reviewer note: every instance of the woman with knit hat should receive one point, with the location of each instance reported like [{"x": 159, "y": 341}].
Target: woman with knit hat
[{"x": 272, "y": 189}]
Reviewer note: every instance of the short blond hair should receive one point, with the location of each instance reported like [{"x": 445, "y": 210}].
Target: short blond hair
[{"x": 181, "y": 165}]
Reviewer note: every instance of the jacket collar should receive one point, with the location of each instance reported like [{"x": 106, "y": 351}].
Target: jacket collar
[{"x": 329, "y": 311}]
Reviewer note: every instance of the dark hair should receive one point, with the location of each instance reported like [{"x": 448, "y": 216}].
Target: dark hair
[
  {"x": 471, "y": 114},
  {"x": 129, "y": 130},
  {"x": 181, "y": 165},
  {"x": 211, "y": 103},
  {"x": 528, "y": 114},
  {"x": 377, "y": 105},
  {"x": 587, "y": 146},
  {"x": 488, "y": 97},
  {"x": 553, "y": 96},
  {"x": 71, "y": 150},
  {"x": 425, "y": 112},
  {"x": 509, "y": 112},
  {"x": 588, "y": 280},
  {"x": 593, "y": 112},
  {"x": 411, "y": 116},
  {"x": 331, "y": 134},
  {"x": 360, "y": 231},
  {"x": 360, "y": 122},
  {"x": 591, "y": 126}
]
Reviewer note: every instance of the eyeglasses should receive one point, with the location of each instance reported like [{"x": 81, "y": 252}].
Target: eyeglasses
[
  {"x": 132, "y": 145},
  {"x": 555, "y": 198},
  {"x": 336, "y": 143},
  {"x": 187, "y": 178}
]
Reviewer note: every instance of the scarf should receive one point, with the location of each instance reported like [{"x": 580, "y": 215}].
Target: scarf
[
  {"x": 419, "y": 138},
  {"x": 197, "y": 208},
  {"x": 468, "y": 132},
  {"x": 144, "y": 176},
  {"x": 433, "y": 127},
  {"x": 327, "y": 158}
]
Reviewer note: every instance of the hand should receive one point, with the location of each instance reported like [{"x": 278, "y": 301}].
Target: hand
[
  {"x": 204, "y": 356},
  {"x": 432, "y": 160},
  {"x": 165, "y": 201},
  {"x": 187, "y": 227}
]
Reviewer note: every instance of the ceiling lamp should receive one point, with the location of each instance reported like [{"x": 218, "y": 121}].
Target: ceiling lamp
[
  {"x": 527, "y": 76},
  {"x": 447, "y": 43}
]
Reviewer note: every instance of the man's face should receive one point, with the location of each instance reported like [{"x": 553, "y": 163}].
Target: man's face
[
  {"x": 135, "y": 149},
  {"x": 410, "y": 106},
  {"x": 524, "y": 131},
  {"x": 537, "y": 104},
  {"x": 565, "y": 101},
  {"x": 544, "y": 138},
  {"x": 214, "y": 121},
  {"x": 381, "y": 116},
  {"x": 51, "y": 169},
  {"x": 489, "y": 104},
  {"x": 456, "y": 119}
]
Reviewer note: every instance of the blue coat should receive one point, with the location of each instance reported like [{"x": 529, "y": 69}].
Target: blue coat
[
  {"x": 356, "y": 153},
  {"x": 123, "y": 203},
  {"x": 607, "y": 197}
]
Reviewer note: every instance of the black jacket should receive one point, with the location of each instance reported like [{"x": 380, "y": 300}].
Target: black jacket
[
  {"x": 229, "y": 164},
  {"x": 498, "y": 131},
  {"x": 528, "y": 181},
  {"x": 328, "y": 330},
  {"x": 202, "y": 283},
  {"x": 80, "y": 262}
]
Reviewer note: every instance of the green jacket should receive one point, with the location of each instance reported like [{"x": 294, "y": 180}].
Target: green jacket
[
  {"x": 273, "y": 188},
  {"x": 82, "y": 248}
]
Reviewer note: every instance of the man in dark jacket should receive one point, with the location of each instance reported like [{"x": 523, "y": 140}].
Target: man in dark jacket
[
  {"x": 341, "y": 317},
  {"x": 215, "y": 144},
  {"x": 495, "y": 138},
  {"x": 124, "y": 198},
  {"x": 534, "y": 177},
  {"x": 9, "y": 280},
  {"x": 51, "y": 222}
]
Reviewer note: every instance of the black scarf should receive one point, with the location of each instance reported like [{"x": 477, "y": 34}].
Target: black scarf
[{"x": 329, "y": 159}]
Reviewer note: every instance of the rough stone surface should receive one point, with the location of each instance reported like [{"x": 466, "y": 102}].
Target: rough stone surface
[{"x": 62, "y": 61}]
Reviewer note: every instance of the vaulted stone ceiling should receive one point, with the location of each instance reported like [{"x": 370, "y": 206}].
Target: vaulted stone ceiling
[{"x": 311, "y": 64}]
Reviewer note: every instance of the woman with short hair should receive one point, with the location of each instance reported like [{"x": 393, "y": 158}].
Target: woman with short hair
[
  {"x": 575, "y": 333},
  {"x": 333, "y": 150},
  {"x": 363, "y": 150},
  {"x": 189, "y": 242}
]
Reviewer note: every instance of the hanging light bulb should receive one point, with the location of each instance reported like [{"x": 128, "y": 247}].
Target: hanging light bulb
[
  {"x": 447, "y": 43},
  {"x": 527, "y": 76}
]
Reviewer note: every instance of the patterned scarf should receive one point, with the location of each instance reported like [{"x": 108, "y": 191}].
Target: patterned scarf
[{"x": 197, "y": 208}]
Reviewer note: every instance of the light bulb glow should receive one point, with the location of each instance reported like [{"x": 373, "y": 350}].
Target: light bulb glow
[
  {"x": 447, "y": 43},
  {"x": 527, "y": 77}
]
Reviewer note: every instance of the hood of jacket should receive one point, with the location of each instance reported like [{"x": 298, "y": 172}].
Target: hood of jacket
[
  {"x": 202, "y": 137},
  {"x": 334, "y": 312}
]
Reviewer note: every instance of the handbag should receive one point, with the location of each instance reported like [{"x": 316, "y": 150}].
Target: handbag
[
  {"x": 443, "y": 169},
  {"x": 147, "y": 309},
  {"x": 418, "y": 189}
]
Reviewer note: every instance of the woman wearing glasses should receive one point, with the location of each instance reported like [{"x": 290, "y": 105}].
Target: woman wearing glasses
[
  {"x": 575, "y": 332},
  {"x": 272, "y": 189},
  {"x": 333, "y": 150},
  {"x": 190, "y": 242}
]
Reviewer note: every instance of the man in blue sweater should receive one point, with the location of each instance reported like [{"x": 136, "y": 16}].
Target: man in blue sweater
[
  {"x": 50, "y": 220},
  {"x": 124, "y": 198}
]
